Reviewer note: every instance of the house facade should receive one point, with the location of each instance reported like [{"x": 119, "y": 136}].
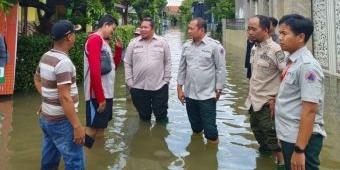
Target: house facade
[{"x": 326, "y": 17}]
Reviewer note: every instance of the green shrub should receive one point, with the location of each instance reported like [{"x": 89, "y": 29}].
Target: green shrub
[
  {"x": 77, "y": 56},
  {"x": 29, "y": 51},
  {"x": 125, "y": 33},
  {"x": 31, "y": 48}
]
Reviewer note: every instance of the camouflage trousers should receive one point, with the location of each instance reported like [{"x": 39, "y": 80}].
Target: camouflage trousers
[{"x": 263, "y": 127}]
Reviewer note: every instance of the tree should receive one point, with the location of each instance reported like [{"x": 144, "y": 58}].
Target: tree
[
  {"x": 186, "y": 11},
  {"x": 46, "y": 11},
  {"x": 6, "y": 5},
  {"x": 223, "y": 9},
  {"x": 148, "y": 8},
  {"x": 85, "y": 11},
  {"x": 97, "y": 8}
]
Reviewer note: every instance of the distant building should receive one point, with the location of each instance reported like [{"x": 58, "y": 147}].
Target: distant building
[{"x": 172, "y": 10}]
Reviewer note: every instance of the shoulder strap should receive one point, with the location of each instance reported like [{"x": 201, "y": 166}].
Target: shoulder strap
[{"x": 86, "y": 54}]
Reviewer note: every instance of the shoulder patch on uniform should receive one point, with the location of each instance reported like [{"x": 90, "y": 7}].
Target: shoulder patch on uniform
[
  {"x": 310, "y": 76},
  {"x": 280, "y": 55},
  {"x": 222, "y": 51}
]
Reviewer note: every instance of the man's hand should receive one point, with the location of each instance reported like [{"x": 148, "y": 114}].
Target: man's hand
[
  {"x": 118, "y": 42},
  {"x": 298, "y": 161},
  {"x": 101, "y": 107},
  {"x": 79, "y": 135},
  {"x": 271, "y": 104},
  {"x": 218, "y": 94},
  {"x": 180, "y": 94}
]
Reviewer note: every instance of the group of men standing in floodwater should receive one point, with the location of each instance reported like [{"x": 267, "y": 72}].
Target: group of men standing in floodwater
[{"x": 285, "y": 99}]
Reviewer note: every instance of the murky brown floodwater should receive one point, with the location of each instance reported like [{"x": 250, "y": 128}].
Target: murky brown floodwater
[{"x": 133, "y": 145}]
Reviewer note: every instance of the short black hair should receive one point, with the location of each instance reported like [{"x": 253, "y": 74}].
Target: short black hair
[
  {"x": 201, "y": 23},
  {"x": 273, "y": 21},
  {"x": 149, "y": 19},
  {"x": 108, "y": 20},
  {"x": 264, "y": 21},
  {"x": 298, "y": 24}
]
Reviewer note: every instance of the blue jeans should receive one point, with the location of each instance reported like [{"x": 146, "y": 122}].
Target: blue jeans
[{"x": 58, "y": 142}]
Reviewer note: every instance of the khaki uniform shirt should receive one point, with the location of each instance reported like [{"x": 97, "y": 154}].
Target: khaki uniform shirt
[
  {"x": 267, "y": 62},
  {"x": 147, "y": 64},
  {"x": 202, "y": 68},
  {"x": 304, "y": 81}
]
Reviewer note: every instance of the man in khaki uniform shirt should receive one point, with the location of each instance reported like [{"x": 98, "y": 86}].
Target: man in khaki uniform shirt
[{"x": 267, "y": 61}]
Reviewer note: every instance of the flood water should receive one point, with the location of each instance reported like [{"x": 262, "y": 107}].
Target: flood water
[{"x": 133, "y": 145}]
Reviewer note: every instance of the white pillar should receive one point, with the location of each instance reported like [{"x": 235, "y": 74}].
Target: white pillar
[
  {"x": 337, "y": 33},
  {"x": 270, "y": 9},
  {"x": 256, "y": 6},
  {"x": 331, "y": 36}
]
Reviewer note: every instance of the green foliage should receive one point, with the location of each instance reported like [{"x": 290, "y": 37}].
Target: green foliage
[
  {"x": 125, "y": 33},
  {"x": 186, "y": 14},
  {"x": 148, "y": 8},
  {"x": 224, "y": 9},
  {"x": 31, "y": 48},
  {"x": 95, "y": 10},
  {"x": 80, "y": 19},
  {"x": 29, "y": 51},
  {"x": 5, "y": 5},
  {"x": 98, "y": 8},
  {"x": 77, "y": 55}
]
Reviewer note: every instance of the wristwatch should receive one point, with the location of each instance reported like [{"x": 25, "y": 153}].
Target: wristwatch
[{"x": 297, "y": 149}]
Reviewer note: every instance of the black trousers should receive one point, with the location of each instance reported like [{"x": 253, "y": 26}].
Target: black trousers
[{"x": 147, "y": 101}]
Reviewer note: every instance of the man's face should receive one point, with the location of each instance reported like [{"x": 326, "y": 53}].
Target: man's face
[
  {"x": 288, "y": 40},
  {"x": 146, "y": 31},
  {"x": 193, "y": 31},
  {"x": 255, "y": 32},
  {"x": 109, "y": 30},
  {"x": 71, "y": 38}
]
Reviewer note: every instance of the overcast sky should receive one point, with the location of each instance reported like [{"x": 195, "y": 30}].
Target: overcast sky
[{"x": 174, "y": 2}]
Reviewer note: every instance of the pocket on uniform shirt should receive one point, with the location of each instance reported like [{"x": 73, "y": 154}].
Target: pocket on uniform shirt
[
  {"x": 138, "y": 51},
  {"x": 263, "y": 64},
  {"x": 158, "y": 50},
  {"x": 264, "y": 70},
  {"x": 138, "y": 54},
  {"x": 206, "y": 59},
  {"x": 289, "y": 79}
]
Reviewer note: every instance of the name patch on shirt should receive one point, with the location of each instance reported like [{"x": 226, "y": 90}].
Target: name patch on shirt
[
  {"x": 264, "y": 56},
  {"x": 310, "y": 77},
  {"x": 206, "y": 51},
  {"x": 138, "y": 46},
  {"x": 158, "y": 45}
]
